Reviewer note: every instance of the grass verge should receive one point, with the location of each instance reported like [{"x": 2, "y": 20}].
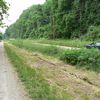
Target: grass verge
[
  {"x": 35, "y": 82},
  {"x": 48, "y": 50},
  {"x": 60, "y": 42},
  {"x": 84, "y": 58}
]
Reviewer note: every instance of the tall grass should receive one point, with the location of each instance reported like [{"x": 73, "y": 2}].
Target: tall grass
[{"x": 36, "y": 84}]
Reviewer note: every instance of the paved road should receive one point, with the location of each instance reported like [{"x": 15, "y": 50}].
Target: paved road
[
  {"x": 10, "y": 86},
  {"x": 58, "y": 46}
]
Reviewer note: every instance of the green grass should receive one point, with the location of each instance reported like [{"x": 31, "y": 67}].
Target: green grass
[
  {"x": 48, "y": 50},
  {"x": 61, "y": 42},
  {"x": 69, "y": 43},
  {"x": 84, "y": 58},
  {"x": 35, "y": 83}
]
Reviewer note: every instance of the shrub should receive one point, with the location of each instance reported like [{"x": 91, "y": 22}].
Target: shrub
[
  {"x": 83, "y": 57},
  {"x": 93, "y": 33},
  {"x": 70, "y": 56}
]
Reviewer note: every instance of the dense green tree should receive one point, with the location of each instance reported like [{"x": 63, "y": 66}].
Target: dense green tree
[
  {"x": 3, "y": 10},
  {"x": 57, "y": 19}
]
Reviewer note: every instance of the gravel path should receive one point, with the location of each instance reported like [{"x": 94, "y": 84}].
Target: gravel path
[{"x": 10, "y": 86}]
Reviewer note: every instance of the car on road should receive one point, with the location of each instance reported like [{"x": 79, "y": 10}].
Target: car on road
[{"x": 93, "y": 45}]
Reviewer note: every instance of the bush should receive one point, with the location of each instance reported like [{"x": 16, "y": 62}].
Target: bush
[
  {"x": 70, "y": 56},
  {"x": 83, "y": 57},
  {"x": 93, "y": 33}
]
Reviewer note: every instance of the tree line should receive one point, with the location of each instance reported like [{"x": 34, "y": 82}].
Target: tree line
[
  {"x": 3, "y": 14},
  {"x": 58, "y": 19}
]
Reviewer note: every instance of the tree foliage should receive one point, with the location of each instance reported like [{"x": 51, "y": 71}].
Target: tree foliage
[
  {"x": 57, "y": 19},
  {"x": 3, "y": 10},
  {"x": 0, "y": 36}
]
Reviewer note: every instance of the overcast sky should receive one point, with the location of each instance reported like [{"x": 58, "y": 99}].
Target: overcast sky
[{"x": 17, "y": 7}]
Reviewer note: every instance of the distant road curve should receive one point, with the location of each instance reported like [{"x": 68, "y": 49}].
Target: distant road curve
[{"x": 62, "y": 47}]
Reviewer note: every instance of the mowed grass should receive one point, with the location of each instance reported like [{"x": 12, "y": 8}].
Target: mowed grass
[
  {"x": 36, "y": 84},
  {"x": 61, "y": 42}
]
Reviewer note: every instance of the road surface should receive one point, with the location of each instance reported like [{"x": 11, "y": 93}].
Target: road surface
[
  {"x": 10, "y": 86},
  {"x": 58, "y": 46}
]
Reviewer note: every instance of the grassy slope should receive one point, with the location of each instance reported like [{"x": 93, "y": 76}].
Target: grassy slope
[
  {"x": 37, "y": 86},
  {"x": 73, "y": 81},
  {"x": 84, "y": 58},
  {"x": 69, "y": 43},
  {"x": 60, "y": 42}
]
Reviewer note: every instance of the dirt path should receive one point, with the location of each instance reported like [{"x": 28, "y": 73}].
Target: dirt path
[{"x": 10, "y": 86}]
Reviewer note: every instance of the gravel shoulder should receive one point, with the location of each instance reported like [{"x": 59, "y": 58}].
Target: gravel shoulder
[{"x": 10, "y": 86}]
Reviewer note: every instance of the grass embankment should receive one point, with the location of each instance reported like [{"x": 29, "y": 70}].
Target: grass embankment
[
  {"x": 84, "y": 58},
  {"x": 29, "y": 45},
  {"x": 36, "y": 84},
  {"x": 61, "y": 42},
  {"x": 89, "y": 59}
]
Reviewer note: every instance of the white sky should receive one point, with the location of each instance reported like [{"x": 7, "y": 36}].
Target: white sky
[{"x": 17, "y": 7}]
